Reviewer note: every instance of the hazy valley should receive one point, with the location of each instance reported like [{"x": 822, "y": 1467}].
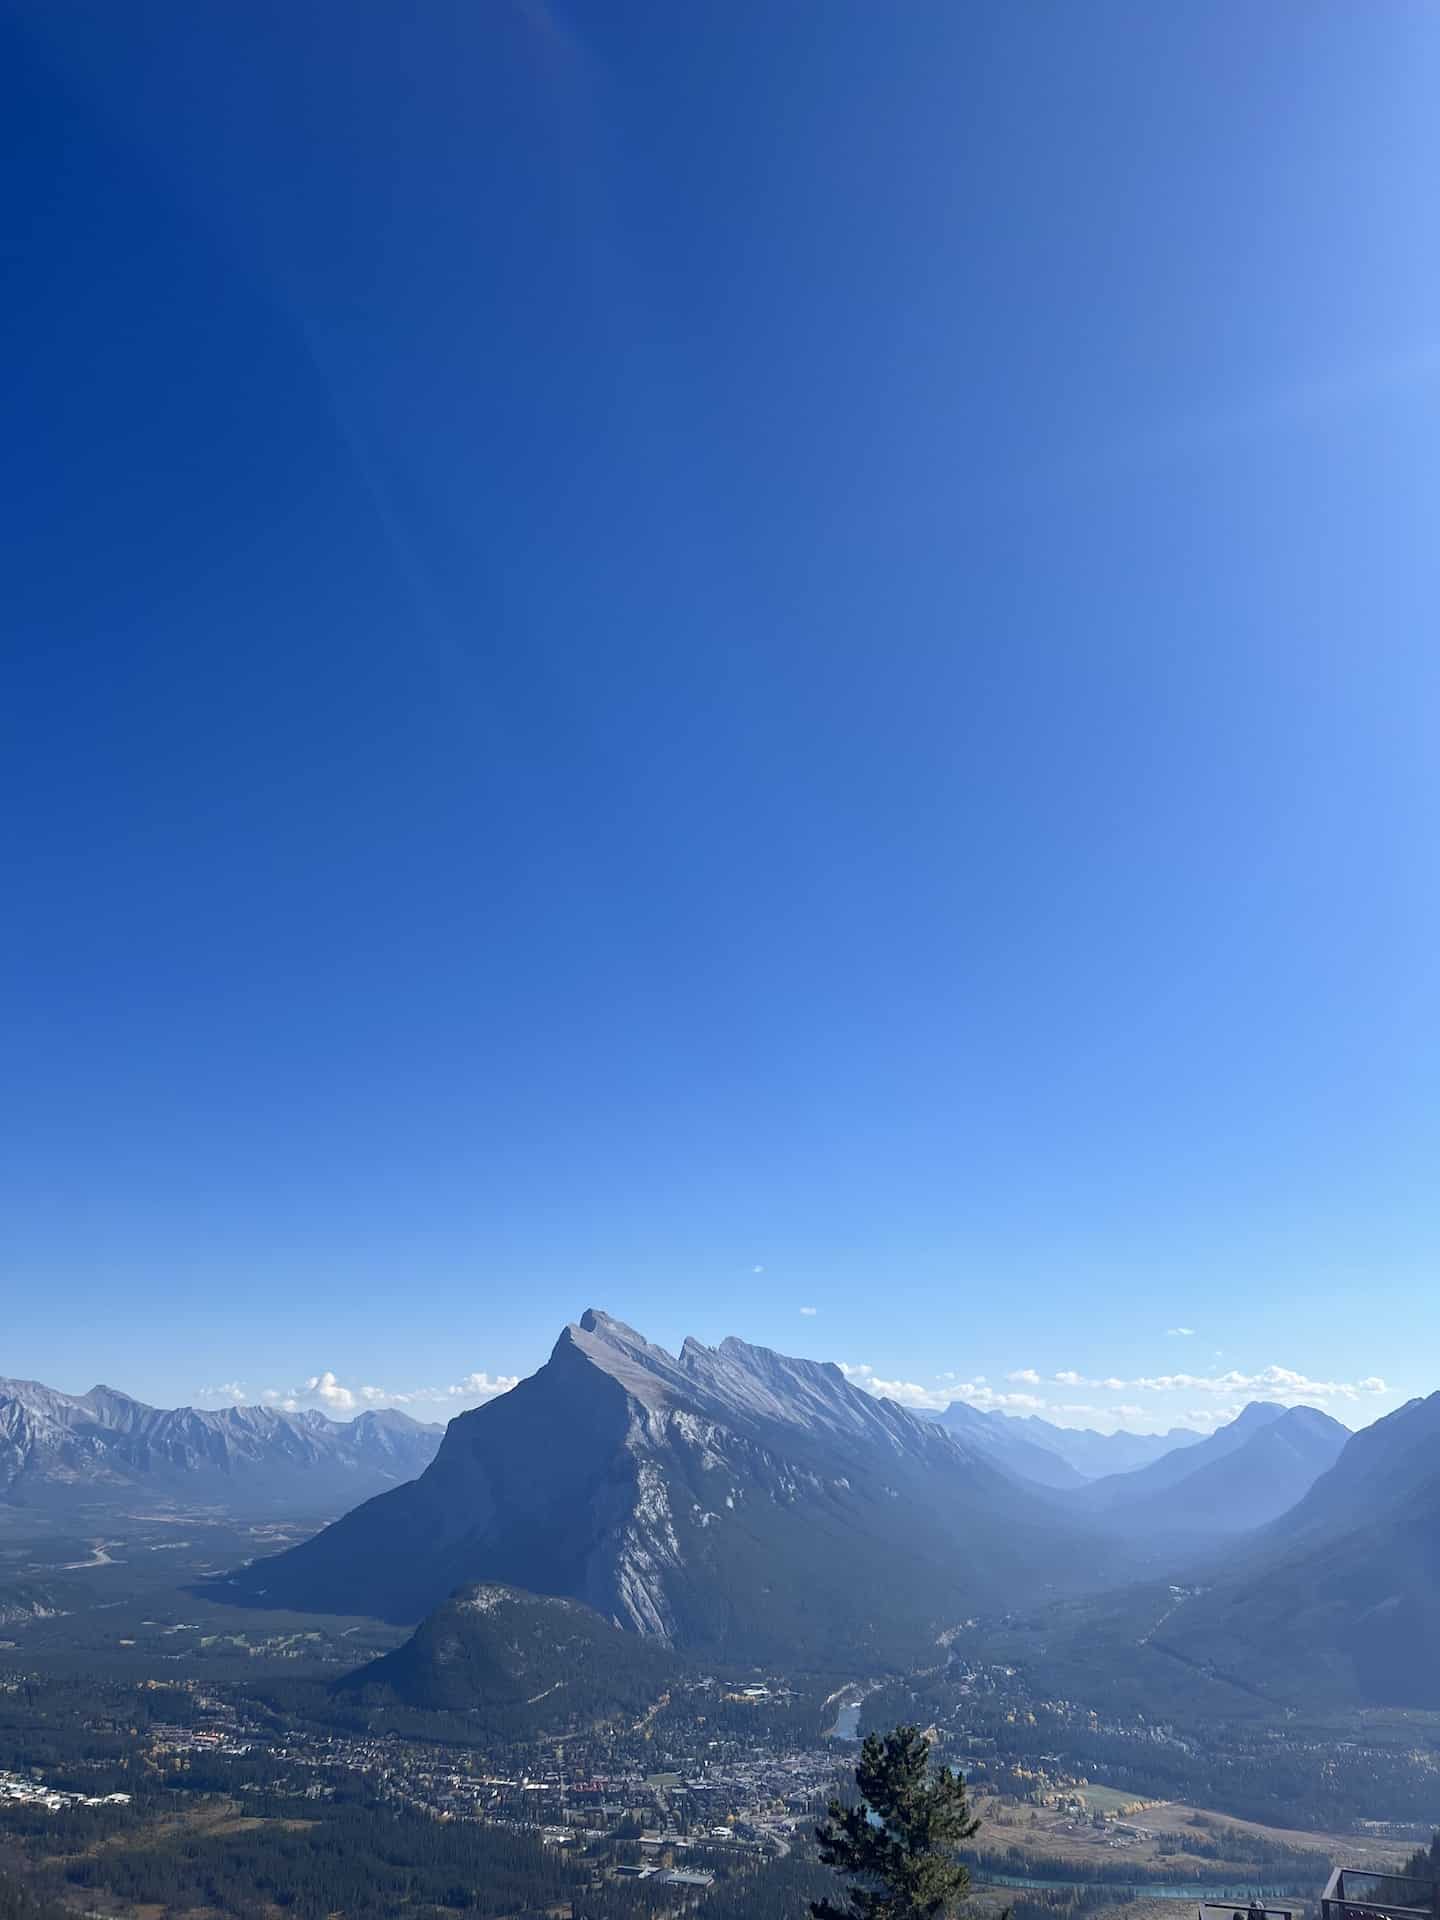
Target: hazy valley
[{"x": 718, "y": 1566}]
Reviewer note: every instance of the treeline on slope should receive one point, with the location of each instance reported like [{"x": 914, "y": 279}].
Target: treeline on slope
[
  {"x": 1218, "y": 1840},
  {"x": 523, "y": 1663},
  {"x": 1424, "y": 1863},
  {"x": 1316, "y": 1779},
  {"x": 1304, "y": 1790},
  {"x": 1299, "y": 1868}
]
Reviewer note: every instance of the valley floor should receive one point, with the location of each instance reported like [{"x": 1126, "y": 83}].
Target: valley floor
[{"x": 251, "y": 1793}]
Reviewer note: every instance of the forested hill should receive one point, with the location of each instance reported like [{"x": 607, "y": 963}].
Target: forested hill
[{"x": 520, "y": 1664}]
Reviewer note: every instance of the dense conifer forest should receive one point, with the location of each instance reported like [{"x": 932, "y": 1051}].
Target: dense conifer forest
[
  {"x": 315, "y": 1858},
  {"x": 18, "y": 1903}
]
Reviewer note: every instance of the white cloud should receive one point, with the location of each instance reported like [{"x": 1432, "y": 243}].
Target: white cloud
[
  {"x": 1281, "y": 1384},
  {"x": 1088, "y": 1409},
  {"x": 910, "y": 1394},
  {"x": 476, "y": 1388},
  {"x": 976, "y": 1394},
  {"x": 1180, "y": 1333},
  {"x": 1024, "y": 1376},
  {"x": 232, "y": 1390},
  {"x": 1205, "y": 1419},
  {"x": 1135, "y": 1417},
  {"x": 326, "y": 1392},
  {"x": 809, "y": 1312}
]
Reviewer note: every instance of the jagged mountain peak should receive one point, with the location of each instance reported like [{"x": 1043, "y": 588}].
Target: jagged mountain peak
[
  {"x": 647, "y": 1372},
  {"x": 741, "y": 1385},
  {"x": 396, "y": 1419},
  {"x": 729, "y": 1497},
  {"x": 596, "y": 1320}
]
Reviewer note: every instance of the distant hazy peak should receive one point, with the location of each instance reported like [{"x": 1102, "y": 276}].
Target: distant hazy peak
[
  {"x": 397, "y": 1420},
  {"x": 1310, "y": 1417},
  {"x": 108, "y": 1407},
  {"x": 1258, "y": 1413},
  {"x": 103, "y": 1444}
]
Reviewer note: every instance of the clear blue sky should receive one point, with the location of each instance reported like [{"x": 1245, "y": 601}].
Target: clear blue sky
[{"x": 645, "y": 643}]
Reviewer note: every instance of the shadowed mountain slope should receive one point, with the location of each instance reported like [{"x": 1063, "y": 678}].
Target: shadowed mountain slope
[
  {"x": 1338, "y": 1602},
  {"x": 727, "y": 1498}
]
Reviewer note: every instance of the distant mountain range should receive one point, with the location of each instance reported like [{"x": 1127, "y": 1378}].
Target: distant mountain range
[
  {"x": 1052, "y": 1456},
  {"x": 1243, "y": 1476},
  {"x": 103, "y": 1448},
  {"x": 748, "y": 1506},
  {"x": 1338, "y": 1601},
  {"x": 1001, "y": 1441},
  {"x": 1093, "y": 1455},
  {"x": 729, "y": 1499}
]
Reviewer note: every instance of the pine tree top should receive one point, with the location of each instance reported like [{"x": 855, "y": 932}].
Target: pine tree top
[{"x": 899, "y": 1842}]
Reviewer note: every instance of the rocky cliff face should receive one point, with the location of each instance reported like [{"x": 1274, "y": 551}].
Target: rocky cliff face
[{"x": 727, "y": 1498}]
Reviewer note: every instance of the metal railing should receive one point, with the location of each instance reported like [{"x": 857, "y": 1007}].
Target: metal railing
[
  {"x": 1367, "y": 1893},
  {"x": 1229, "y": 1910}
]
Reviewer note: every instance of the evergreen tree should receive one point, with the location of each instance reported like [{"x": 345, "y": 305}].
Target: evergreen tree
[
  {"x": 1425, "y": 1865},
  {"x": 899, "y": 1841}
]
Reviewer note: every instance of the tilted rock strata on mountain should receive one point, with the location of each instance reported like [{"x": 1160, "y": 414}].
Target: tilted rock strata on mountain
[
  {"x": 58, "y": 1447},
  {"x": 1007, "y": 1447},
  {"x": 729, "y": 1498}
]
